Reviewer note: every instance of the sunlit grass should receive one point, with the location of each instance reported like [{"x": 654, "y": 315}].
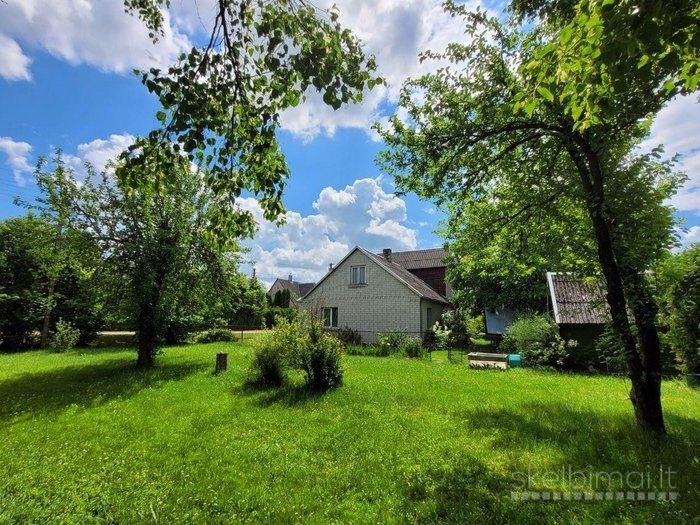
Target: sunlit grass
[{"x": 86, "y": 438}]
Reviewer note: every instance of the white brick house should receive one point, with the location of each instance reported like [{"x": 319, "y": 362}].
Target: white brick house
[{"x": 372, "y": 294}]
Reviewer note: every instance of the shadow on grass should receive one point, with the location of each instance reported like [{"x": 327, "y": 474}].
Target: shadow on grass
[
  {"x": 52, "y": 391},
  {"x": 291, "y": 393},
  {"x": 584, "y": 442}
]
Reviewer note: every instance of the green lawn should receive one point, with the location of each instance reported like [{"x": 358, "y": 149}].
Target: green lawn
[{"x": 84, "y": 438}]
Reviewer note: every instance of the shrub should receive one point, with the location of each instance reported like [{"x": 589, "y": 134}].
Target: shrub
[
  {"x": 216, "y": 335},
  {"x": 456, "y": 323},
  {"x": 65, "y": 337},
  {"x": 609, "y": 352},
  {"x": 392, "y": 342},
  {"x": 413, "y": 348},
  {"x": 300, "y": 345},
  {"x": 275, "y": 313},
  {"x": 475, "y": 325},
  {"x": 430, "y": 341},
  {"x": 319, "y": 359},
  {"x": 348, "y": 336},
  {"x": 274, "y": 352},
  {"x": 538, "y": 341},
  {"x": 268, "y": 367}
]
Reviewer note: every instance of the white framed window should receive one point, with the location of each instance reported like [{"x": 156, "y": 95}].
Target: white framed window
[
  {"x": 357, "y": 275},
  {"x": 330, "y": 317}
]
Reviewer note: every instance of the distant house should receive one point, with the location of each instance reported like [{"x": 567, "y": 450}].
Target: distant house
[
  {"x": 373, "y": 293},
  {"x": 578, "y": 307},
  {"x": 296, "y": 289}
]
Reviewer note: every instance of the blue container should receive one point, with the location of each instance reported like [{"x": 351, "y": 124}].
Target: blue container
[{"x": 515, "y": 361}]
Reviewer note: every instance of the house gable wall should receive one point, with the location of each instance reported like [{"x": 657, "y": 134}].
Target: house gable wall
[{"x": 383, "y": 304}]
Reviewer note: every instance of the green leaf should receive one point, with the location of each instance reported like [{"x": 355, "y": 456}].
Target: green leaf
[
  {"x": 545, "y": 93},
  {"x": 161, "y": 116}
]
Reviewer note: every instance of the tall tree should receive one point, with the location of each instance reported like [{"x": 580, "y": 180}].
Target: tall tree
[
  {"x": 154, "y": 240},
  {"x": 221, "y": 102},
  {"x": 509, "y": 105}
]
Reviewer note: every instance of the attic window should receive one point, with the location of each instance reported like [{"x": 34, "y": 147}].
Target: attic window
[{"x": 357, "y": 275}]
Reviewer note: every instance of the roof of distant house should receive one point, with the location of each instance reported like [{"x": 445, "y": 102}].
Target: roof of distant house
[
  {"x": 575, "y": 300},
  {"x": 297, "y": 288},
  {"x": 416, "y": 259}
]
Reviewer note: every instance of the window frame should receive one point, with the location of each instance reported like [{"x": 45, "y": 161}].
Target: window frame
[
  {"x": 358, "y": 275},
  {"x": 331, "y": 318}
]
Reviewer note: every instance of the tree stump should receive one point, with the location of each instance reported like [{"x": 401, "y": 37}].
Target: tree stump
[{"x": 221, "y": 362}]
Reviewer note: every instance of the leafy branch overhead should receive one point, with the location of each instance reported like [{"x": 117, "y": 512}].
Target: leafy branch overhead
[{"x": 221, "y": 102}]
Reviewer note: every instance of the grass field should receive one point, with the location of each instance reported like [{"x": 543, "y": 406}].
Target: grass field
[{"x": 84, "y": 438}]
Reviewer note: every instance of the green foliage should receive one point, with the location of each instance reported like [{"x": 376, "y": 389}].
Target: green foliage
[
  {"x": 298, "y": 345},
  {"x": 413, "y": 348},
  {"x": 320, "y": 359},
  {"x": 430, "y": 340},
  {"x": 403, "y": 441},
  {"x": 36, "y": 280},
  {"x": 221, "y": 102},
  {"x": 275, "y": 313},
  {"x": 610, "y": 352},
  {"x": 455, "y": 321},
  {"x": 282, "y": 298},
  {"x": 678, "y": 290},
  {"x": 65, "y": 337},
  {"x": 538, "y": 341},
  {"x": 475, "y": 325},
  {"x": 398, "y": 343},
  {"x": 216, "y": 335},
  {"x": 268, "y": 368},
  {"x": 391, "y": 342}
]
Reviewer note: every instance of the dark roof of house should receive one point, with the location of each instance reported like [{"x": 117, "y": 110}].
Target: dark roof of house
[
  {"x": 415, "y": 259},
  {"x": 418, "y": 285},
  {"x": 297, "y": 288},
  {"x": 576, "y": 301}
]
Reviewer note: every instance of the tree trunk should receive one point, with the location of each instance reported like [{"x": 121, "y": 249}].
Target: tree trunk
[
  {"x": 646, "y": 391},
  {"x": 47, "y": 314},
  {"x": 147, "y": 334}
]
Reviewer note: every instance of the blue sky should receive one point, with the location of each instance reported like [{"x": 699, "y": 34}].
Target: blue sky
[{"x": 65, "y": 82}]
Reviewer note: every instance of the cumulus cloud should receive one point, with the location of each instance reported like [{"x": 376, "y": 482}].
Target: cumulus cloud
[
  {"x": 677, "y": 127},
  {"x": 690, "y": 236},
  {"x": 92, "y": 32},
  {"x": 14, "y": 64},
  {"x": 362, "y": 213},
  {"x": 17, "y": 158},
  {"x": 395, "y": 32}
]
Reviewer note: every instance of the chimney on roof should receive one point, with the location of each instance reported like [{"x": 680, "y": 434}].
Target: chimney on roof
[
  {"x": 330, "y": 266},
  {"x": 290, "y": 277},
  {"x": 386, "y": 252}
]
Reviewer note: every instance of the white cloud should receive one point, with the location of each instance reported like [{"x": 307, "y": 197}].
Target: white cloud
[
  {"x": 395, "y": 32},
  {"x": 360, "y": 214},
  {"x": 94, "y": 32},
  {"x": 17, "y": 158},
  {"x": 690, "y": 236},
  {"x": 677, "y": 127},
  {"x": 14, "y": 64}
]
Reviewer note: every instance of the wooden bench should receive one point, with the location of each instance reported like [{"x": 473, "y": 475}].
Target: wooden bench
[{"x": 487, "y": 360}]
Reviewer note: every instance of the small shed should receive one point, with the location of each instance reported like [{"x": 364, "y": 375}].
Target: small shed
[{"x": 578, "y": 307}]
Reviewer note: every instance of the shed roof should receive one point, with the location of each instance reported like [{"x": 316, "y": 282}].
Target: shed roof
[{"x": 576, "y": 301}]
